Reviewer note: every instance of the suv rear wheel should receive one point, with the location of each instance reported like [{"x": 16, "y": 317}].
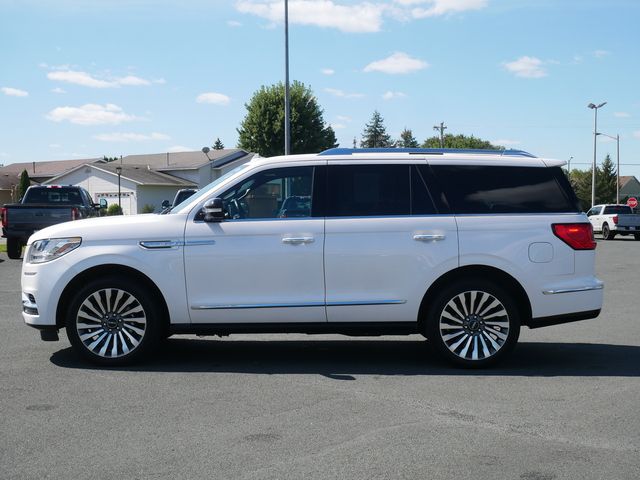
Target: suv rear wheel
[
  {"x": 473, "y": 323},
  {"x": 113, "y": 321}
]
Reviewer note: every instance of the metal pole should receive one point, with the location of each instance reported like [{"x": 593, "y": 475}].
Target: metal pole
[
  {"x": 287, "y": 106},
  {"x": 569, "y": 168},
  {"x": 618, "y": 170},
  {"x": 593, "y": 166},
  {"x": 119, "y": 203}
]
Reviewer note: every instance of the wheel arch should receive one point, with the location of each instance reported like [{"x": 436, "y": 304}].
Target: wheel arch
[
  {"x": 102, "y": 271},
  {"x": 481, "y": 272}
]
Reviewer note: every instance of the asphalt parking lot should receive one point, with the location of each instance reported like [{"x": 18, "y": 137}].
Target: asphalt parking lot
[{"x": 566, "y": 405}]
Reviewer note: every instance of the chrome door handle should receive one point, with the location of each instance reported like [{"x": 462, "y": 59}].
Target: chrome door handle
[
  {"x": 297, "y": 240},
  {"x": 428, "y": 238}
]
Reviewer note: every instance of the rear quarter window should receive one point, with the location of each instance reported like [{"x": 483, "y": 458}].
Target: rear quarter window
[{"x": 471, "y": 189}]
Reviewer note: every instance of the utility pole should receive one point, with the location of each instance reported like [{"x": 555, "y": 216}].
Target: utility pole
[
  {"x": 354, "y": 142},
  {"x": 441, "y": 128},
  {"x": 287, "y": 106}
]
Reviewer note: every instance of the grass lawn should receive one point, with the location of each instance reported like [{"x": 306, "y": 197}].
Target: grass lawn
[{"x": 3, "y": 248}]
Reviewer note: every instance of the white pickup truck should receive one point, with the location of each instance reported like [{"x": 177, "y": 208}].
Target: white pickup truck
[{"x": 612, "y": 220}]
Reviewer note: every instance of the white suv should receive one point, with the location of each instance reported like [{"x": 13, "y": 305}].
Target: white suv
[{"x": 463, "y": 247}]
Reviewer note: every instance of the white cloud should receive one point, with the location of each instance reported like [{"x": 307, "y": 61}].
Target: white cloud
[
  {"x": 506, "y": 142},
  {"x": 343, "y": 118},
  {"x": 213, "y": 97},
  {"x": 14, "y": 92},
  {"x": 133, "y": 81},
  {"x": 234, "y": 23},
  {"x": 601, "y": 53},
  {"x": 527, "y": 67},
  {"x": 180, "y": 148},
  {"x": 91, "y": 114},
  {"x": 87, "y": 80},
  {"x": 434, "y": 8},
  {"x": 328, "y": 71},
  {"x": 389, "y": 95},
  {"x": 636, "y": 134},
  {"x": 55, "y": 145},
  {"x": 159, "y": 81},
  {"x": 363, "y": 17},
  {"x": 338, "y": 126},
  {"x": 396, "y": 64},
  {"x": 58, "y": 90},
  {"x": 622, "y": 114},
  {"x": 342, "y": 94},
  {"x": 79, "y": 78},
  {"x": 130, "y": 137},
  {"x": 357, "y": 18}
]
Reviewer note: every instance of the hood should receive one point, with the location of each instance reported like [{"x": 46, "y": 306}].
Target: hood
[{"x": 118, "y": 228}]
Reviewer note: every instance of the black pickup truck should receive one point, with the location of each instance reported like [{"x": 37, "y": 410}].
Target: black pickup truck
[{"x": 43, "y": 206}]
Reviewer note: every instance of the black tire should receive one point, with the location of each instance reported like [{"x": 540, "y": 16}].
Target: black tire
[
  {"x": 121, "y": 314},
  {"x": 606, "y": 233},
  {"x": 636, "y": 236},
  {"x": 473, "y": 318},
  {"x": 14, "y": 248}
]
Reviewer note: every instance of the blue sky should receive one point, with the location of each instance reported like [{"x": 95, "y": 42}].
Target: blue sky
[{"x": 110, "y": 77}]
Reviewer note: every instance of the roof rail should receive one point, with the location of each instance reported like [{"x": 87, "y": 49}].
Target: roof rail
[{"x": 427, "y": 151}]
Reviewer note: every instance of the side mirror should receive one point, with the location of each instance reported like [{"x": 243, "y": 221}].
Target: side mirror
[
  {"x": 213, "y": 211},
  {"x": 103, "y": 203},
  {"x": 165, "y": 204}
]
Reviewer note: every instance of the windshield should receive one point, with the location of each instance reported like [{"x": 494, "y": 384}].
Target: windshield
[{"x": 207, "y": 190}]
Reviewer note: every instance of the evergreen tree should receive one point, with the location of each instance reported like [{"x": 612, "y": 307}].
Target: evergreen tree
[
  {"x": 606, "y": 182},
  {"x": 375, "y": 134},
  {"x": 407, "y": 140},
  {"x": 23, "y": 184},
  {"x": 262, "y": 130},
  {"x": 218, "y": 145}
]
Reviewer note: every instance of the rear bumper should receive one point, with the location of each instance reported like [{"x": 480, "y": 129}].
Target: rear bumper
[{"x": 565, "y": 318}]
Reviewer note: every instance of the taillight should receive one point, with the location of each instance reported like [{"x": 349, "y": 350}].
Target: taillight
[
  {"x": 578, "y": 236},
  {"x": 5, "y": 214},
  {"x": 615, "y": 219},
  {"x": 75, "y": 213}
]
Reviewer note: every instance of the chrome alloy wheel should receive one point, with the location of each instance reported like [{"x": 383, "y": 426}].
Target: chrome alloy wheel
[
  {"x": 111, "y": 323},
  {"x": 474, "y": 325}
]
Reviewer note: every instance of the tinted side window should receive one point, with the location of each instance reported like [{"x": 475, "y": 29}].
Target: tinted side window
[
  {"x": 495, "y": 189},
  {"x": 422, "y": 202},
  {"x": 368, "y": 190}
]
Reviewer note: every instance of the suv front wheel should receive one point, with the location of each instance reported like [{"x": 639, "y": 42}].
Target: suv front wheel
[
  {"x": 113, "y": 321},
  {"x": 473, "y": 323}
]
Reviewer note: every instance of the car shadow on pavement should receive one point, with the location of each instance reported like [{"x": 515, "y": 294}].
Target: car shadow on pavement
[{"x": 344, "y": 359}]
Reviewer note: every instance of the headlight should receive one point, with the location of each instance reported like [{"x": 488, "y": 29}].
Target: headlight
[{"x": 46, "y": 250}]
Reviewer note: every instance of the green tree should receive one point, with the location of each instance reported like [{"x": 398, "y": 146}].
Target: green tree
[
  {"x": 23, "y": 184},
  {"x": 407, "y": 140},
  {"x": 109, "y": 159},
  {"x": 581, "y": 183},
  {"x": 375, "y": 134},
  {"x": 606, "y": 182},
  {"x": 262, "y": 130},
  {"x": 218, "y": 145},
  {"x": 148, "y": 208},
  {"x": 459, "y": 141}
]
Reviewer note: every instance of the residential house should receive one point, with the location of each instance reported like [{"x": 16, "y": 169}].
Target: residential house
[{"x": 137, "y": 187}]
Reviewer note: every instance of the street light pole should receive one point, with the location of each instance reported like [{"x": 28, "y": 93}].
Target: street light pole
[
  {"x": 287, "y": 106},
  {"x": 617, "y": 139},
  {"x": 595, "y": 136},
  {"x": 569, "y": 168},
  {"x": 119, "y": 172}
]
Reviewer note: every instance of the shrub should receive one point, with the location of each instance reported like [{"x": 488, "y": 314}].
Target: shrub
[{"x": 114, "y": 209}]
